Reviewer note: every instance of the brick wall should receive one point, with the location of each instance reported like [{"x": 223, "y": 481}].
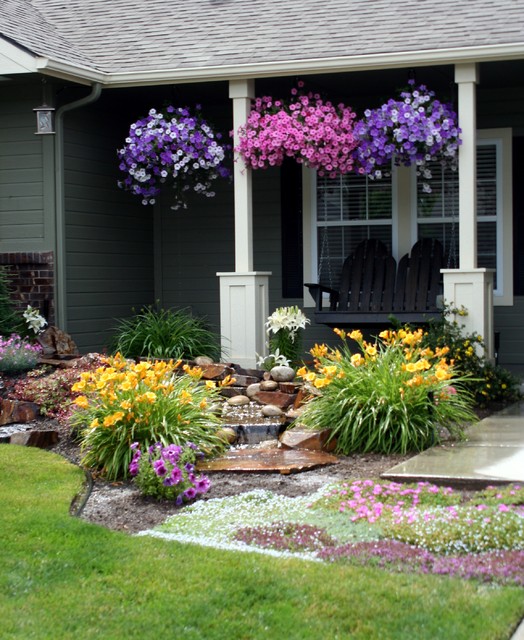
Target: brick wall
[{"x": 31, "y": 276}]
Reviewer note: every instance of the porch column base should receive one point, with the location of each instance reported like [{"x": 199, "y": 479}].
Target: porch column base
[
  {"x": 244, "y": 308},
  {"x": 473, "y": 290}
]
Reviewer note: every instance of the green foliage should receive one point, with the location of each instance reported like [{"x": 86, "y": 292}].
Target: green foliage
[
  {"x": 488, "y": 383},
  {"x": 393, "y": 397},
  {"x": 10, "y": 320},
  {"x": 123, "y": 403},
  {"x": 165, "y": 334}
]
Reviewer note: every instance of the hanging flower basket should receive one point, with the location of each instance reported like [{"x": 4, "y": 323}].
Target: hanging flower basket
[
  {"x": 313, "y": 132},
  {"x": 175, "y": 146},
  {"x": 415, "y": 130}
]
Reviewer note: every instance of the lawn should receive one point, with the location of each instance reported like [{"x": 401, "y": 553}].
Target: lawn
[{"x": 61, "y": 577}]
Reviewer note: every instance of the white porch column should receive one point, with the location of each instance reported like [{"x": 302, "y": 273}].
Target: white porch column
[
  {"x": 244, "y": 293},
  {"x": 468, "y": 286}
]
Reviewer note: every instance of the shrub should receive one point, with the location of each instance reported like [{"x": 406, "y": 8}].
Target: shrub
[
  {"x": 17, "y": 354},
  {"x": 487, "y": 382},
  {"x": 391, "y": 397},
  {"x": 165, "y": 334},
  {"x": 168, "y": 472},
  {"x": 122, "y": 403}
]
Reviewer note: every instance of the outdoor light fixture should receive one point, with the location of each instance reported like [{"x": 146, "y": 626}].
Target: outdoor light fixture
[{"x": 44, "y": 119}]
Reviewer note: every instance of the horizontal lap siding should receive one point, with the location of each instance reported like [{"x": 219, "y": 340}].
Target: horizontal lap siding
[
  {"x": 21, "y": 168},
  {"x": 109, "y": 234},
  {"x": 506, "y": 109}
]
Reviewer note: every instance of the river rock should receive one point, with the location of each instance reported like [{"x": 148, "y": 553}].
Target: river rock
[
  {"x": 253, "y": 389},
  {"x": 271, "y": 411},
  {"x": 238, "y": 401},
  {"x": 282, "y": 373},
  {"x": 268, "y": 385},
  {"x": 201, "y": 361}
]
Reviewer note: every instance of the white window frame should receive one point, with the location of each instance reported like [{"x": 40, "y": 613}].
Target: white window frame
[
  {"x": 310, "y": 226},
  {"x": 404, "y": 216},
  {"x": 502, "y": 140}
]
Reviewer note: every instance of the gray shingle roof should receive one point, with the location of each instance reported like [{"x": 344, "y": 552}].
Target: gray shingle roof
[{"x": 113, "y": 36}]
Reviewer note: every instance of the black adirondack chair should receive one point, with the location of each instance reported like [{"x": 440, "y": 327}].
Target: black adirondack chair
[{"x": 372, "y": 288}]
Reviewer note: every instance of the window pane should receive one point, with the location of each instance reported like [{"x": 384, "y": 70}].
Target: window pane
[
  {"x": 448, "y": 234},
  {"x": 487, "y": 246},
  {"x": 442, "y": 202},
  {"x": 353, "y": 197},
  {"x": 487, "y": 180}
]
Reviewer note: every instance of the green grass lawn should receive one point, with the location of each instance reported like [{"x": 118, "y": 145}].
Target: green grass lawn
[{"x": 61, "y": 577}]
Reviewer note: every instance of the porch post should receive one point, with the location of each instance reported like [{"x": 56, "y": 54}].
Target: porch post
[
  {"x": 244, "y": 293},
  {"x": 469, "y": 286}
]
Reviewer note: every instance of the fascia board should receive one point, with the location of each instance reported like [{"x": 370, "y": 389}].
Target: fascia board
[
  {"x": 14, "y": 60},
  {"x": 373, "y": 62}
]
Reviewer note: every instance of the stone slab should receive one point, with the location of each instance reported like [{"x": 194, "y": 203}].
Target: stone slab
[
  {"x": 284, "y": 461},
  {"x": 461, "y": 465}
]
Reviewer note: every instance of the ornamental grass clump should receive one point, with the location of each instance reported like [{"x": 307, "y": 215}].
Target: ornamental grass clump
[
  {"x": 164, "y": 333},
  {"x": 18, "y": 354},
  {"x": 123, "y": 402},
  {"x": 390, "y": 396},
  {"x": 168, "y": 472}
]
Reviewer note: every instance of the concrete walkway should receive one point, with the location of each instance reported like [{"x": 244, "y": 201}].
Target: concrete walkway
[{"x": 493, "y": 453}]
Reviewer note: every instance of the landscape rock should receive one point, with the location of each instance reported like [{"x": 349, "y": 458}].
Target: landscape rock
[
  {"x": 300, "y": 438},
  {"x": 238, "y": 401},
  {"x": 271, "y": 410},
  {"x": 216, "y": 371},
  {"x": 54, "y": 341},
  {"x": 202, "y": 361},
  {"x": 282, "y": 400},
  {"x": 41, "y": 439},
  {"x": 12, "y": 411},
  {"x": 282, "y": 373},
  {"x": 268, "y": 385},
  {"x": 253, "y": 389}
]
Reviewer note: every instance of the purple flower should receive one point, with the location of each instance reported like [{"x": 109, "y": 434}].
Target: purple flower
[
  {"x": 190, "y": 493},
  {"x": 160, "y": 467},
  {"x": 202, "y": 484},
  {"x": 179, "y": 145},
  {"x": 176, "y": 475}
]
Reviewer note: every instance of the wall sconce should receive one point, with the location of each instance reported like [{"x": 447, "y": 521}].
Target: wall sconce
[{"x": 44, "y": 120}]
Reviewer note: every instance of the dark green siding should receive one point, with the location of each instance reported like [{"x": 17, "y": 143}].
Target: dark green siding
[{"x": 109, "y": 234}]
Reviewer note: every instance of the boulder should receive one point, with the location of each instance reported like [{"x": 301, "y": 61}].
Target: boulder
[
  {"x": 54, "y": 341},
  {"x": 16, "y": 411}
]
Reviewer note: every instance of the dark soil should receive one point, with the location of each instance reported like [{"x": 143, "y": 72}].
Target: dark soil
[{"x": 119, "y": 505}]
